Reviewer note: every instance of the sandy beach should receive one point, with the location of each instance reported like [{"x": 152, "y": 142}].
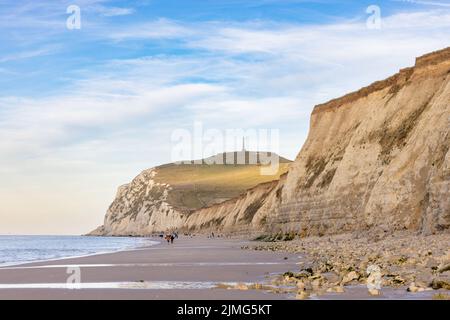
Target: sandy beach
[
  {"x": 190, "y": 269},
  {"x": 157, "y": 272}
]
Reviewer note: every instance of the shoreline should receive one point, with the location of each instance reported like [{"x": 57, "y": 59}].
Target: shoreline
[
  {"x": 20, "y": 263},
  {"x": 190, "y": 269}
]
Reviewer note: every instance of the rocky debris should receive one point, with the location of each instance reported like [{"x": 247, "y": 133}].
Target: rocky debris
[
  {"x": 404, "y": 259},
  {"x": 444, "y": 268},
  {"x": 349, "y": 277},
  {"x": 441, "y": 296},
  {"x": 302, "y": 295},
  {"x": 336, "y": 289},
  {"x": 440, "y": 283},
  {"x": 414, "y": 288},
  {"x": 241, "y": 286}
]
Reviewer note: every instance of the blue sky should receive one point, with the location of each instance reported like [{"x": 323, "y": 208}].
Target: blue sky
[{"x": 83, "y": 111}]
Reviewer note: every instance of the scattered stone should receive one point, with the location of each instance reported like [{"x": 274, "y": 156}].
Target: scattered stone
[
  {"x": 405, "y": 258},
  {"x": 241, "y": 286},
  {"x": 301, "y": 286},
  {"x": 331, "y": 277},
  {"x": 302, "y": 295},
  {"x": 317, "y": 284},
  {"x": 374, "y": 292},
  {"x": 440, "y": 284},
  {"x": 412, "y": 288},
  {"x": 223, "y": 286},
  {"x": 441, "y": 296},
  {"x": 444, "y": 268},
  {"x": 349, "y": 277},
  {"x": 336, "y": 289},
  {"x": 398, "y": 280}
]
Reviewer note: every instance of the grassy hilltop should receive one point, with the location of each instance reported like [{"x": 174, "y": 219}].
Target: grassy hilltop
[{"x": 200, "y": 185}]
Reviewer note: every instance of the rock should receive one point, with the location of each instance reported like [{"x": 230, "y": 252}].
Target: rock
[
  {"x": 304, "y": 284},
  {"x": 331, "y": 277},
  {"x": 398, "y": 280},
  {"x": 306, "y": 272},
  {"x": 374, "y": 292},
  {"x": 336, "y": 289},
  {"x": 301, "y": 286},
  {"x": 349, "y": 277},
  {"x": 438, "y": 283},
  {"x": 441, "y": 296},
  {"x": 412, "y": 288},
  {"x": 317, "y": 284},
  {"x": 241, "y": 286},
  {"x": 257, "y": 286},
  {"x": 444, "y": 268},
  {"x": 302, "y": 295},
  {"x": 339, "y": 289},
  {"x": 432, "y": 264}
]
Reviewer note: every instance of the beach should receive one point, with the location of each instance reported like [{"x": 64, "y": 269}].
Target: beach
[
  {"x": 157, "y": 272},
  {"x": 190, "y": 269}
]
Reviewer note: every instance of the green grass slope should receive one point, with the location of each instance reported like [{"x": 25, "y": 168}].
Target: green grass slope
[{"x": 201, "y": 185}]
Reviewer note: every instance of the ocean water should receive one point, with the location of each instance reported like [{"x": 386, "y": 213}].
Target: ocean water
[{"x": 20, "y": 249}]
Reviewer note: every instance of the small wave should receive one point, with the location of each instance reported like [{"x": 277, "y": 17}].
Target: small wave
[{"x": 144, "y": 285}]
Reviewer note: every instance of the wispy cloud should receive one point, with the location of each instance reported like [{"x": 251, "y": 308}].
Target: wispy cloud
[
  {"x": 240, "y": 69},
  {"x": 29, "y": 54},
  {"x": 117, "y": 115},
  {"x": 157, "y": 29},
  {"x": 113, "y": 11},
  {"x": 425, "y": 2}
]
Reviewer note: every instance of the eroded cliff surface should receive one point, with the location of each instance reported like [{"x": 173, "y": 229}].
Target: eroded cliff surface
[
  {"x": 160, "y": 199},
  {"x": 375, "y": 158},
  {"x": 378, "y": 157}
]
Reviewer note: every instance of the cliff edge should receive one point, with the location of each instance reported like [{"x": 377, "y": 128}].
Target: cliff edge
[{"x": 375, "y": 158}]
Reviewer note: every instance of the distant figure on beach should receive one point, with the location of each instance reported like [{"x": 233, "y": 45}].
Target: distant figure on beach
[
  {"x": 168, "y": 238},
  {"x": 171, "y": 238}
]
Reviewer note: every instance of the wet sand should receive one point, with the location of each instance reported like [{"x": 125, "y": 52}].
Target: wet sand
[
  {"x": 157, "y": 272},
  {"x": 189, "y": 269}
]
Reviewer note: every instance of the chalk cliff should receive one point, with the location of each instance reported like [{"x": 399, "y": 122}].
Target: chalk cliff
[
  {"x": 378, "y": 157},
  {"x": 375, "y": 158},
  {"x": 161, "y": 198}
]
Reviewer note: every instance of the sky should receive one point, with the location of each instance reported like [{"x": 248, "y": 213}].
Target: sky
[{"x": 84, "y": 110}]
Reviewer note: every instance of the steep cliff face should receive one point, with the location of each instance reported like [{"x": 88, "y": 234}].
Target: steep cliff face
[
  {"x": 378, "y": 157},
  {"x": 162, "y": 198},
  {"x": 238, "y": 215},
  {"x": 141, "y": 207}
]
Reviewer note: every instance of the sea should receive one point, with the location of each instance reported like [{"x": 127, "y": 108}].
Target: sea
[{"x": 21, "y": 249}]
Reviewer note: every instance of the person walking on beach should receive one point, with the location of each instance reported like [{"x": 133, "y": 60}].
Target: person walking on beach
[{"x": 171, "y": 238}]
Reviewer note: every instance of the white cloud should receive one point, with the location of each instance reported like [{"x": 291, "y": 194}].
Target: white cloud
[
  {"x": 158, "y": 29},
  {"x": 29, "y": 54},
  {"x": 117, "y": 118},
  {"x": 114, "y": 11},
  {"x": 425, "y": 2}
]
